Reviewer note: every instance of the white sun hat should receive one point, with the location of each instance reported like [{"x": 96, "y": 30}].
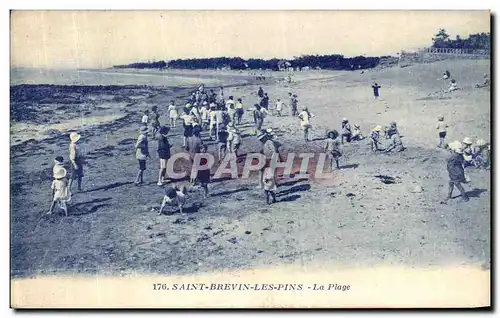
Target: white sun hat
[
  {"x": 74, "y": 137},
  {"x": 60, "y": 173}
]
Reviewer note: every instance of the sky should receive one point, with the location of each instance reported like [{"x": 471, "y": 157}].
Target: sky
[{"x": 95, "y": 39}]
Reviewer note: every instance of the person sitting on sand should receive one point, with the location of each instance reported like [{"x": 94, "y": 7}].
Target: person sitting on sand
[
  {"x": 141, "y": 154},
  {"x": 482, "y": 156},
  {"x": 172, "y": 113},
  {"x": 239, "y": 111},
  {"x": 156, "y": 121},
  {"x": 357, "y": 135},
  {"x": 346, "y": 131},
  {"x": 163, "y": 151},
  {"x": 395, "y": 140},
  {"x": 454, "y": 165},
  {"x": 60, "y": 191},
  {"x": 375, "y": 138},
  {"x": 376, "y": 87},
  {"x": 446, "y": 75},
  {"x": 486, "y": 82},
  {"x": 145, "y": 118},
  {"x": 77, "y": 160},
  {"x": 305, "y": 122},
  {"x": 453, "y": 86},
  {"x": 332, "y": 148},
  {"x": 441, "y": 127}
]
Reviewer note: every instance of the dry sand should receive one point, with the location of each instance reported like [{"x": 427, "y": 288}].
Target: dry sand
[{"x": 352, "y": 220}]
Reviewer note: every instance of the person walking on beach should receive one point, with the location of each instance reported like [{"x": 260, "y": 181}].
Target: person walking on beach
[
  {"x": 141, "y": 154},
  {"x": 346, "y": 131},
  {"x": 204, "y": 116},
  {"x": 269, "y": 150},
  {"x": 332, "y": 148},
  {"x": 231, "y": 109},
  {"x": 293, "y": 104},
  {"x": 260, "y": 93},
  {"x": 233, "y": 140},
  {"x": 454, "y": 165},
  {"x": 305, "y": 117},
  {"x": 163, "y": 150},
  {"x": 172, "y": 113},
  {"x": 441, "y": 127},
  {"x": 258, "y": 118},
  {"x": 239, "y": 111},
  {"x": 222, "y": 137},
  {"x": 264, "y": 102},
  {"x": 212, "y": 115},
  {"x": 156, "y": 121},
  {"x": 270, "y": 183},
  {"x": 279, "y": 107},
  {"x": 60, "y": 192},
  {"x": 376, "y": 87},
  {"x": 76, "y": 158}
]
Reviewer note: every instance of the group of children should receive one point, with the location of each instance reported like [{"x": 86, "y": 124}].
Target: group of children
[{"x": 61, "y": 187}]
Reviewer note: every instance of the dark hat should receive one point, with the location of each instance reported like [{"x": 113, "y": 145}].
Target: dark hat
[
  {"x": 333, "y": 133},
  {"x": 59, "y": 159},
  {"x": 263, "y": 133},
  {"x": 164, "y": 130}
]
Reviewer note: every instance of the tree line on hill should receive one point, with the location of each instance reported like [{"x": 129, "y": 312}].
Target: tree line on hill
[
  {"x": 330, "y": 62},
  {"x": 478, "y": 41}
]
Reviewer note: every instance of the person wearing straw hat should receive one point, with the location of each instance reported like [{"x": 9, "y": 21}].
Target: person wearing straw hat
[
  {"x": 258, "y": 118},
  {"x": 454, "y": 165},
  {"x": 141, "y": 154},
  {"x": 269, "y": 150},
  {"x": 163, "y": 151},
  {"x": 187, "y": 119},
  {"x": 357, "y": 135},
  {"x": 441, "y": 127},
  {"x": 60, "y": 192},
  {"x": 332, "y": 148},
  {"x": 305, "y": 117},
  {"x": 76, "y": 158},
  {"x": 467, "y": 151},
  {"x": 375, "y": 138},
  {"x": 482, "y": 154}
]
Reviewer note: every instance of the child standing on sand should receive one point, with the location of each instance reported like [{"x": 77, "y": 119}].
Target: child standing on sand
[
  {"x": 156, "y": 121},
  {"x": 375, "y": 138},
  {"x": 58, "y": 164},
  {"x": 76, "y": 158},
  {"x": 172, "y": 113},
  {"x": 279, "y": 107},
  {"x": 376, "y": 87},
  {"x": 141, "y": 153},
  {"x": 222, "y": 136},
  {"x": 163, "y": 150},
  {"x": 60, "y": 191},
  {"x": 441, "y": 127},
  {"x": 204, "y": 116},
  {"x": 346, "y": 131},
  {"x": 332, "y": 148},
  {"x": 239, "y": 111},
  {"x": 212, "y": 116},
  {"x": 203, "y": 175},
  {"x": 270, "y": 187},
  {"x": 145, "y": 118},
  {"x": 305, "y": 117}
]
